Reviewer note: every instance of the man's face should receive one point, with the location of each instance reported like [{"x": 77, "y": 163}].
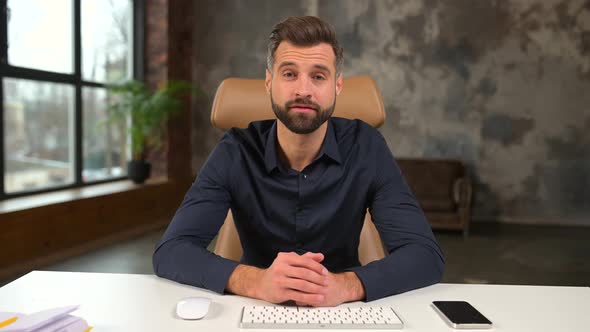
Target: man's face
[{"x": 303, "y": 86}]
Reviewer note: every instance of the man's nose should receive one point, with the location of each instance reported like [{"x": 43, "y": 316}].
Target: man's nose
[{"x": 303, "y": 87}]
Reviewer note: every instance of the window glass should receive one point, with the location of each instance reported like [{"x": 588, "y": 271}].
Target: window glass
[
  {"x": 107, "y": 40},
  {"x": 104, "y": 146},
  {"x": 40, "y": 34},
  {"x": 38, "y": 134}
]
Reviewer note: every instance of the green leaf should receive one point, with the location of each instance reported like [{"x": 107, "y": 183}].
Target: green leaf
[{"x": 148, "y": 111}]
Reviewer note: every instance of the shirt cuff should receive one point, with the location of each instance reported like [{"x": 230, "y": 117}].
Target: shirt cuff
[
  {"x": 370, "y": 282},
  {"x": 218, "y": 274}
]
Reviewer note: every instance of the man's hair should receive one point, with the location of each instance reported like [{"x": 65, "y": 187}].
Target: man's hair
[{"x": 303, "y": 31}]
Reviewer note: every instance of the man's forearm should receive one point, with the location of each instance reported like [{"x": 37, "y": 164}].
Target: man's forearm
[
  {"x": 243, "y": 281},
  {"x": 191, "y": 264},
  {"x": 408, "y": 268}
]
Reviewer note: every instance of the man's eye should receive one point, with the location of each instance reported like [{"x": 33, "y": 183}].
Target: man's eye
[
  {"x": 319, "y": 77},
  {"x": 288, "y": 74}
]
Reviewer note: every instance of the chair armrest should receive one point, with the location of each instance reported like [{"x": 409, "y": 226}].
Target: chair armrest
[{"x": 462, "y": 192}]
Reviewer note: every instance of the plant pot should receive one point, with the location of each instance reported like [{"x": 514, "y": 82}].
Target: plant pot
[{"x": 138, "y": 170}]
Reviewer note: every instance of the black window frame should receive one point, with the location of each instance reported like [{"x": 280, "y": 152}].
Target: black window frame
[{"x": 75, "y": 80}]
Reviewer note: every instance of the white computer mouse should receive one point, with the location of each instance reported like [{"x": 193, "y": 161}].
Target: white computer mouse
[{"x": 193, "y": 307}]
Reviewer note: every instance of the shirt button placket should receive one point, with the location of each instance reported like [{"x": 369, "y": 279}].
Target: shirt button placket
[
  {"x": 298, "y": 219},
  {"x": 302, "y": 177}
]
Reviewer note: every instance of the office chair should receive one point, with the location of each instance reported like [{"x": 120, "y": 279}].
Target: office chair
[{"x": 241, "y": 101}]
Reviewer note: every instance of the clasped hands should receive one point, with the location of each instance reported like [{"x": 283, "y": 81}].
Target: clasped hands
[{"x": 299, "y": 278}]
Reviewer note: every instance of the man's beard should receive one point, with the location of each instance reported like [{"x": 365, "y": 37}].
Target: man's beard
[{"x": 302, "y": 123}]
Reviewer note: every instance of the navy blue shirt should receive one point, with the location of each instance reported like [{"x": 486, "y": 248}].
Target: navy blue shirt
[{"x": 320, "y": 209}]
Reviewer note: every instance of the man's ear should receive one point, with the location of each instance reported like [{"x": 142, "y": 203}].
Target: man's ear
[
  {"x": 339, "y": 84},
  {"x": 267, "y": 81}
]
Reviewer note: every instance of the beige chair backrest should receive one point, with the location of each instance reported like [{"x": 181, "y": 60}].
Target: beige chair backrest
[{"x": 240, "y": 101}]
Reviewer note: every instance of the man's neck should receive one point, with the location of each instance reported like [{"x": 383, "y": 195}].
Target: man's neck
[{"x": 298, "y": 150}]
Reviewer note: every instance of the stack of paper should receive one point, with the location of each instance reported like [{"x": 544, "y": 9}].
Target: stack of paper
[{"x": 52, "y": 320}]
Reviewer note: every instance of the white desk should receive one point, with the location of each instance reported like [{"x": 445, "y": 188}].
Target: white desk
[{"x": 127, "y": 302}]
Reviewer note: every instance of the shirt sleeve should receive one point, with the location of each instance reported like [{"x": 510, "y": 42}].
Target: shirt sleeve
[
  {"x": 182, "y": 253},
  {"x": 415, "y": 259}
]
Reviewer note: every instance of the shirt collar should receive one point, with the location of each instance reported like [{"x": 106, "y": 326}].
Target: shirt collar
[
  {"x": 329, "y": 147},
  {"x": 270, "y": 152}
]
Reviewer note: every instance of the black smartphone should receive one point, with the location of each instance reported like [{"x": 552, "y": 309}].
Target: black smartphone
[{"x": 461, "y": 315}]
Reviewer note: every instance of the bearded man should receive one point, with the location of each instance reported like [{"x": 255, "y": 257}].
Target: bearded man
[{"x": 299, "y": 187}]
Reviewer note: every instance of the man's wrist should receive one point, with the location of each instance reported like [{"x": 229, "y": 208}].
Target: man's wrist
[
  {"x": 244, "y": 281},
  {"x": 355, "y": 291}
]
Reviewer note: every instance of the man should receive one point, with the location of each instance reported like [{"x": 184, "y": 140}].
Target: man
[{"x": 298, "y": 188}]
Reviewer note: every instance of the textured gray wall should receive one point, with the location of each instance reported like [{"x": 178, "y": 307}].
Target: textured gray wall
[{"x": 503, "y": 85}]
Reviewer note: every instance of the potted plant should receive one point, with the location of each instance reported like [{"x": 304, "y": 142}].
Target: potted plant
[{"x": 144, "y": 115}]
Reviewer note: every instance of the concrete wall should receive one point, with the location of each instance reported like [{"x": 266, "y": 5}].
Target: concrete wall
[{"x": 503, "y": 85}]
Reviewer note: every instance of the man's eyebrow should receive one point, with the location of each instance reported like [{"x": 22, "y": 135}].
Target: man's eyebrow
[
  {"x": 322, "y": 67},
  {"x": 317, "y": 66},
  {"x": 287, "y": 63}
]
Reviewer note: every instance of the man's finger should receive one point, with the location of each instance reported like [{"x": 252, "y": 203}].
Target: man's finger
[
  {"x": 307, "y": 275},
  {"x": 300, "y": 297},
  {"x": 304, "y": 286},
  {"x": 306, "y": 262}
]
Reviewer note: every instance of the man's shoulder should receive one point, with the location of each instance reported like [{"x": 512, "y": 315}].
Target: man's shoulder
[
  {"x": 239, "y": 142},
  {"x": 255, "y": 134},
  {"x": 354, "y": 131},
  {"x": 358, "y": 138}
]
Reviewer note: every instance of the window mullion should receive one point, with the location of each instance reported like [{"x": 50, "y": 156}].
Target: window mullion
[
  {"x": 78, "y": 153},
  {"x": 93, "y": 84},
  {"x": 138, "y": 38},
  {"x": 3, "y": 60},
  {"x": 2, "y": 190},
  {"x": 35, "y": 74},
  {"x": 3, "y": 31}
]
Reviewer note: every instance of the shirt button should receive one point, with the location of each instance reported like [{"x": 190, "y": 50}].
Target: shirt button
[{"x": 305, "y": 176}]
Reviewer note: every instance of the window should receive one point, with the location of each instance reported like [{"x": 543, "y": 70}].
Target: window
[{"x": 55, "y": 60}]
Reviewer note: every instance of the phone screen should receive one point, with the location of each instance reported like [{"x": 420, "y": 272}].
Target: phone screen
[{"x": 461, "y": 312}]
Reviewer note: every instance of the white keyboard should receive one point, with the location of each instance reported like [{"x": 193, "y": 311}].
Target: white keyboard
[{"x": 280, "y": 317}]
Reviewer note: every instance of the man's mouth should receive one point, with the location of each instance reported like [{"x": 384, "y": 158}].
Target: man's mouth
[{"x": 302, "y": 108}]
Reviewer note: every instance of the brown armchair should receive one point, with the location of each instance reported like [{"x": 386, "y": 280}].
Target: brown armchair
[
  {"x": 241, "y": 101},
  {"x": 444, "y": 190}
]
